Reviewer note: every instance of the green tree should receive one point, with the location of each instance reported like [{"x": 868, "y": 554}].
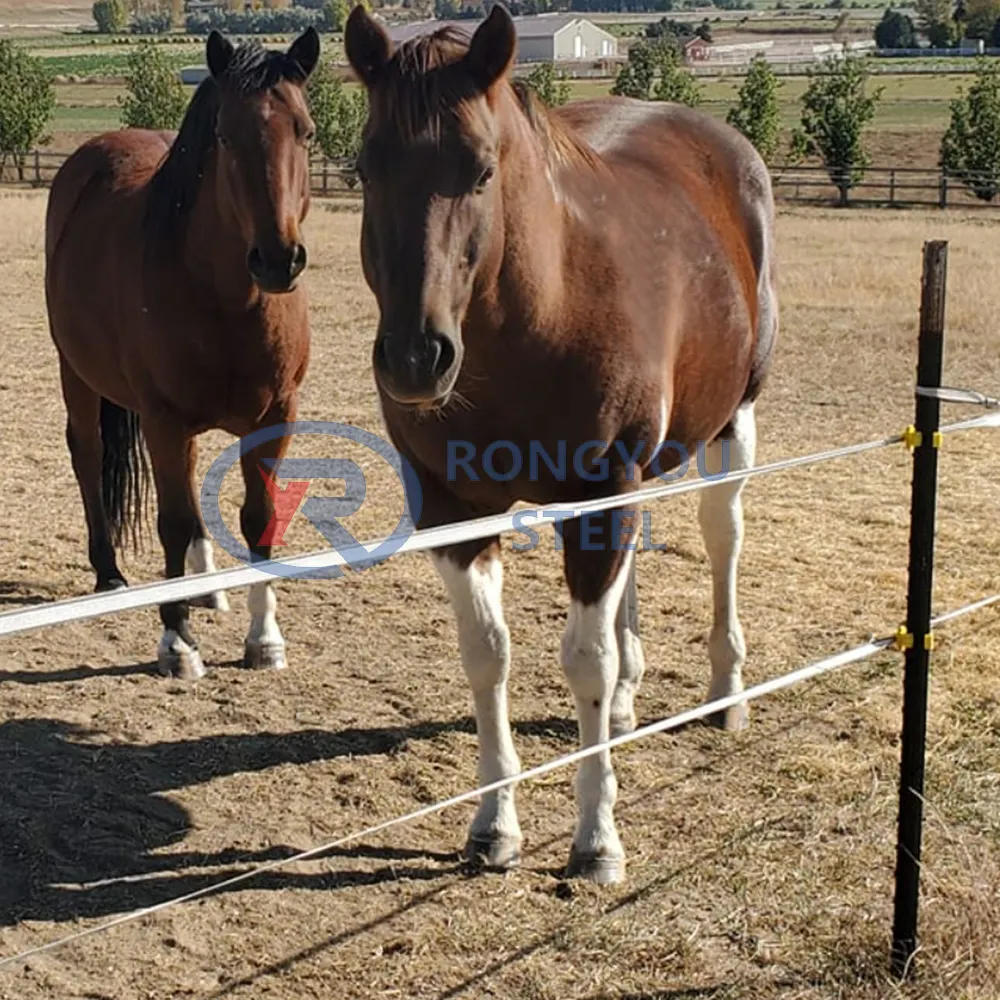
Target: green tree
[
  {"x": 894, "y": 31},
  {"x": 756, "y": 113},
  {"x": 934, "y": 18},
  {"x": 155, "y": 97},
  {"x": 970, "y": 148},
  {"x": 111, "y": 16},
  {"x": 836, "y": 108},
  {"x": 980, "y": 16},
  {"x": 675, "y": 82},
  {"x": 339, "y": 113},
  {"x": 27, "y": 100},
  {"x": 551, "y": 85},
  {"x": 636, "y": 76},
  {"x": 335, "y": 14}
]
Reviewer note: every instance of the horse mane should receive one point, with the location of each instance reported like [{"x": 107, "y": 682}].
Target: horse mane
[
  {"x": 173, "y": 189},
  {"x": 559, "y": 143},
  {"x": 422, "y": 86}
]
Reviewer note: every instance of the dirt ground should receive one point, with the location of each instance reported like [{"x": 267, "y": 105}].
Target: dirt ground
[
  {"x": 760, "y": 865},
  {"x": 45, "y": 15}
]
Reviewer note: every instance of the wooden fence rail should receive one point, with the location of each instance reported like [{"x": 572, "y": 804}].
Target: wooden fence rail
[{"x": 893, "y": 187}]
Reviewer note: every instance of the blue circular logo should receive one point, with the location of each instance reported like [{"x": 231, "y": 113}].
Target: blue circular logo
[{"x": 324, "y": 513}]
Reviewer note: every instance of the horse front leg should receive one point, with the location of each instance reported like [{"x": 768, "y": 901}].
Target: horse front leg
[
  {"x": 473, "y": 577},
  {"x": 264, "y": 646},
  {"x": 172, "y": 454}
]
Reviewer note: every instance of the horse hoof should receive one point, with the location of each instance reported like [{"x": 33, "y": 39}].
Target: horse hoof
[
  {"x": 181, "y": 661},
  {"x": 732, "y": 720},
  {"x": 213, "y": 602},
  {"x": 264, "y": 656},
  {"x": 115, "y": 583},
  {"x": 596, "y": 868},
  {"x": 498, "y": 853}
]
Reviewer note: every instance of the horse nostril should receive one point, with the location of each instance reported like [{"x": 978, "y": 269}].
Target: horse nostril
[
  {"x": 299, "y": 258},
  {"x": 443, "y": 354},
  {"x": 255, "y": 261}
]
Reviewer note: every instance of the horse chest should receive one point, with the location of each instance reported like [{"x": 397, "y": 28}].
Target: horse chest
[{"x": 223, "y": 373}]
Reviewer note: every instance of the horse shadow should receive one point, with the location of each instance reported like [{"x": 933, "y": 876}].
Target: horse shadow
[{"x": 81, "y": 822}]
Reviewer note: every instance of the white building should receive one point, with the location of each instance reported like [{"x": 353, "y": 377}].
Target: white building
[{"x": 540, "y": 38}]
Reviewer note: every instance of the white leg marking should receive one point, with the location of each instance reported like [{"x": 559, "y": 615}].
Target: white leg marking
[
  {"x": 199, "y": 559},
  {"x": 632, "y": 664},
  {"x": 264, "y": 646},
  {"x": 484, "y": 641},
  {"x": 177, "y": 658},
  {"x": 591, "y": 662},
  {"x": 720, "y": 514}
]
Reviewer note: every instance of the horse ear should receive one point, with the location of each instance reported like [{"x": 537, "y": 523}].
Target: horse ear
[
  {"x": 304, "y": 51},
  {"x": 218, "y": 52},
  {"x": 367, "y": 45},
  {"x": 491, "y": 51}
]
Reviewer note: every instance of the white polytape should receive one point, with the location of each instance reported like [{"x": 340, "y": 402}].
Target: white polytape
[
  {"x": 950, "y": 394},
  {"x": 186, "y": 587}
]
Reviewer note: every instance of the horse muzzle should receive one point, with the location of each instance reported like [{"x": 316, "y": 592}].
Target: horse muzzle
[
  {"x": 417, "y": 371},
  {"x": 277, "y": 273}
]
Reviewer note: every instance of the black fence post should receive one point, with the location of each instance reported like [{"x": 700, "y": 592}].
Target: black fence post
[{"x": 917, "y": 640}]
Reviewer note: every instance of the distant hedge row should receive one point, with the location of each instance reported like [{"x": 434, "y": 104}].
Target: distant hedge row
[{"x": 290, "y": 20}]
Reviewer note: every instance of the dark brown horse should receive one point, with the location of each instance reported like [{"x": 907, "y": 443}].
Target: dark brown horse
[
  {"x": 598, "y": 279},
  {"x": 171, "y": 283}
]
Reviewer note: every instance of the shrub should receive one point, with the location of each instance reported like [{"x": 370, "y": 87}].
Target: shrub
[
  {"x": 551, "y": 86},
  {"x": 894, "y": 31},
  {"x": 835, "y": 112},
  {"x": 675, "y": 82},
  {"x": 155, "y": 97},
  {"x": 970, "y": 148},
  {"x": 287, "y": 21},
  {"x": 111, "y": 16},
  {"x": 339, "y": 114},
  {"x": 756, "y": 113},
  {"x": 27, "y": 101},
  {"x": 151, "y": 24}
]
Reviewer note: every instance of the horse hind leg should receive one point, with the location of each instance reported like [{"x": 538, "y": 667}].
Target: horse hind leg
[
  {"x": 200, "y": 559},
  {"x": 631, "y": 662},
  {"x": 84, "y": 439},
  {"x": 720, "y": 514},
  {"x": 592, "y": 663}
]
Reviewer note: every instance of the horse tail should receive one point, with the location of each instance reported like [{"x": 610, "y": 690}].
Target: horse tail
[{"x": 124, "y": 475}]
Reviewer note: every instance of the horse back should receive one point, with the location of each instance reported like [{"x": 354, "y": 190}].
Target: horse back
[
  {"x": 100, "y": 178},
  {"x": 705, "y": 184}
]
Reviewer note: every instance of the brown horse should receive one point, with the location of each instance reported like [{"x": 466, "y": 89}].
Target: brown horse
[
  {"x": 594, "y": 279},
  {"x": 171, "y": 279}
]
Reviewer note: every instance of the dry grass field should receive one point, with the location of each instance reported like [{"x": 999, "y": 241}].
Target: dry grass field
[
  {"x": 760, "y": 865},
  {"x": 45, "y": 15}
]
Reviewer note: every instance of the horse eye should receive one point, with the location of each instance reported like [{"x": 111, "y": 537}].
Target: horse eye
[
  {"x": 485, "y": 177},
  {"x": 223, "y": 142}
]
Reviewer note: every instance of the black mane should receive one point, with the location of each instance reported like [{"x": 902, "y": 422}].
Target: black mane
[{"x": 174, "y": 187}]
